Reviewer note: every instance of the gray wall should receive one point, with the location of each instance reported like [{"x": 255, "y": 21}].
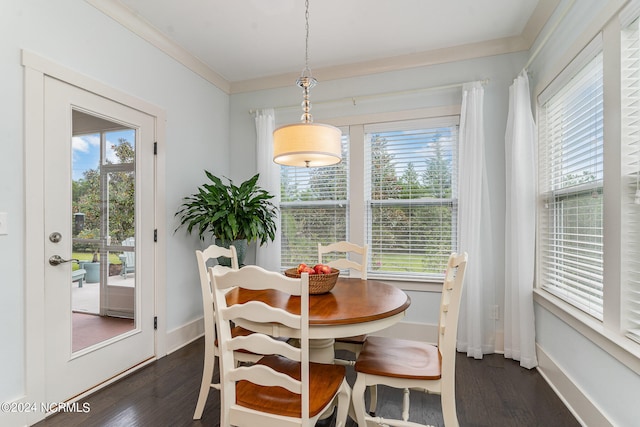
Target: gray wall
[{"x": 77, "y": 36}]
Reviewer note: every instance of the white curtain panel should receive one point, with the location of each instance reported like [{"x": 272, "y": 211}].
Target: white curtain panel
[
  {"x": 520, "y": 226},
  {"x": 268, "y": 255},
  {"x": 476, "y": 332}
]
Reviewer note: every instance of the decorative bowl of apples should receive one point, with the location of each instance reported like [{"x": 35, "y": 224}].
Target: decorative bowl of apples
[{"x": 322, "y": 278}]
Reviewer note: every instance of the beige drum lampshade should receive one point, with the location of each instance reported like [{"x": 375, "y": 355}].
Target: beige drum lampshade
[{"x": 307, "y": 145}]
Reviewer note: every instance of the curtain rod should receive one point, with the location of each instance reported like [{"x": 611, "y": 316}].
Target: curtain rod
[
  {"x": 354, "y": 99},
  {"x": 549, "y": 34}
]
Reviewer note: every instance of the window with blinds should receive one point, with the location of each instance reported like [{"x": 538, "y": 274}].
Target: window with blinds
[
  {"x": 411, "y": 196},
  {"x": 571, "y": 183},
  {"x": 630, "y": 85},
  {"x": 313, "y": 209}
]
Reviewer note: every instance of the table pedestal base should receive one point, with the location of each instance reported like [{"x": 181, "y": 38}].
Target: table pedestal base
[{"x": 321, "y": 350}]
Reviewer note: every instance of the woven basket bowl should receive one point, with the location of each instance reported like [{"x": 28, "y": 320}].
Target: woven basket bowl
[{"x": 318, "y": 283}]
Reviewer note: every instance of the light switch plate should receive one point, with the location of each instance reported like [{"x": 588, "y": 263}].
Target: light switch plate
[{"x": 4, "y": 228}]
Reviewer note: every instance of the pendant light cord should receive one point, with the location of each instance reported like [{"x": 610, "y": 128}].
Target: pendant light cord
[
  {"x": 306, "y": 40},
  {"x": 306, "y": 80}
]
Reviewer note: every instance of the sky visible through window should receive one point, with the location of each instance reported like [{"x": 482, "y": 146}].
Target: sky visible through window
[{"x": 86, "y": 150}]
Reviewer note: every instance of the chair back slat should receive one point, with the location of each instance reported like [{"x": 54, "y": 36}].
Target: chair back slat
[
  {"x": 255, "y": 278},
  {"x": 347, "y": 248},
  {"x": 265, "y": 345},
  {"x": 265, "y": 376},
  {"x": 258, "y": 311}
]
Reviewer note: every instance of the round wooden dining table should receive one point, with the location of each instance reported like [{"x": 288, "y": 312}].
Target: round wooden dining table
[{"x": 352, "y": 307}]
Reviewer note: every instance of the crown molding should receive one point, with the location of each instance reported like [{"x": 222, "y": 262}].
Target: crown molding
[
  {"x": 146, "y": 31},
  {"x": 432, "y": 57},
  {"x": 540, "y": 16}
]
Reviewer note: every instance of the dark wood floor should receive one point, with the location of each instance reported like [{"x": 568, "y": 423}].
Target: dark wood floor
[{"x": 490, "y": 392}]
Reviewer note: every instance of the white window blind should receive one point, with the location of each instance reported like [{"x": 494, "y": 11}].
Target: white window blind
[
  {"x": 631, "y": 172},
  {"x": 571, "y": 182},
  {"x": 313, "y": 209},
  {"x": 411, "y": 192}
]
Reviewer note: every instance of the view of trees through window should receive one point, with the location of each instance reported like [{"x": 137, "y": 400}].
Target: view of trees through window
[
  {"x": 103, "y": 192},
  {"x": 412, "y": 200},
  {"x": 410, "y": 205}
]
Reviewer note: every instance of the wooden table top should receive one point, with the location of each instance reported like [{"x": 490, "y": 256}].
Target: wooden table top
[{"x": 351, "y": 301}]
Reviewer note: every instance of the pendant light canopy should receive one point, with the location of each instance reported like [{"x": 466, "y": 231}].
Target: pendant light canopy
[{"x": 307, "y": 144}]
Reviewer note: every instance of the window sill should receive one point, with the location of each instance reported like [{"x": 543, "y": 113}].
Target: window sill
[{"x": 623, "y": 349}]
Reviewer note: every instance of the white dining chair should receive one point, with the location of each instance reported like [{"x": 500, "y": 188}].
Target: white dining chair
[
  {"x": 415, "y": 365},
  {"x": 352, "y": 344},
  {"x": 344, "y": 249},
  {"x": 211, "y": 350},
  {"x": 283, "y": 388}
]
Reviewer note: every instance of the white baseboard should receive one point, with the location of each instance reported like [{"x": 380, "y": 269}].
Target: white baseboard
[
  {"x": 185, "y": 334},
  {"x": 571, "y": 395}
]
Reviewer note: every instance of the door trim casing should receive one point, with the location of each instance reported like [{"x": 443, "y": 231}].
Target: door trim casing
[{"x": 35, "y": 70}]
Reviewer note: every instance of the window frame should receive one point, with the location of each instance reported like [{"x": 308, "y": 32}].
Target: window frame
[
  {"x": 567, "y": 151},
  {"x": 424, "y": 123},
  {"x": 356, "y": 185}
]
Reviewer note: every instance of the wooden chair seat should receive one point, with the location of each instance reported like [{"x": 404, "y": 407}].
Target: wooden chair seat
[
  {"x": 325, "y": 381},
  {"x": 398, "y": 358}
]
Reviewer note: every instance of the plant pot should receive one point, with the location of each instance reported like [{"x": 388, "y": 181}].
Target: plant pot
[
  {"x": 241, "y": 249},
  {"x": 93, "y": 271}
]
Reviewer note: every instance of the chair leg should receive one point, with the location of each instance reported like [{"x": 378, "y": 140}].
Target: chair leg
[
  {"x": 405, "y": 405},
  {"x": 344, "y": 402},
  {"x": 449, "y": 413},
  {"x": 373, "y": 399},
  {"x": 357, "y": 394},
  {"x": 205, "y": 384}
]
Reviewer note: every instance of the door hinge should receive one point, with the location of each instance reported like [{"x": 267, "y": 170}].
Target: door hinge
[
  {"x": 155, "y": 148},
  {"x": 155, "y": 235},
  {"x": 155, "y": 322}
]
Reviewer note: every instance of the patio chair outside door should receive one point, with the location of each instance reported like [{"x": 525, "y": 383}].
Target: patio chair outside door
[{"x": 128, "y": 258}]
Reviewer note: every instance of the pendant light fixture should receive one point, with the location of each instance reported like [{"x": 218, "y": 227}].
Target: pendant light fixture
[{"x": 307, "y": 144}]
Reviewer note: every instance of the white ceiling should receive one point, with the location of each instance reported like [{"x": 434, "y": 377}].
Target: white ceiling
[{"x": 252, "y": 39}]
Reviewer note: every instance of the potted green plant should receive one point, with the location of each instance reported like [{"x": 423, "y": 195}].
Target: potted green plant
[{"x": 235, "y": 215}]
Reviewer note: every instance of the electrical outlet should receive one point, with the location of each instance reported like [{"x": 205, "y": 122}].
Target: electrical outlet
[
  {"x": 4, "y": 228},
  {"x": 495, "y": 313}
]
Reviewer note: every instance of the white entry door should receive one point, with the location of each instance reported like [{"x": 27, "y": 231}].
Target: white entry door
[{"x": 99, "y": 239}]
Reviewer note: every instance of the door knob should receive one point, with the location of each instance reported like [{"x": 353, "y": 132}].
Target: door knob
[{"x": 57, "y": 260}]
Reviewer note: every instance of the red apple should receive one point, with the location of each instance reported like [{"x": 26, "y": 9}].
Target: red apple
[
  {"x": 301, "y": 267},
  {"x": 322, "y": 269},
  {"x": 308, "y": 270}
]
